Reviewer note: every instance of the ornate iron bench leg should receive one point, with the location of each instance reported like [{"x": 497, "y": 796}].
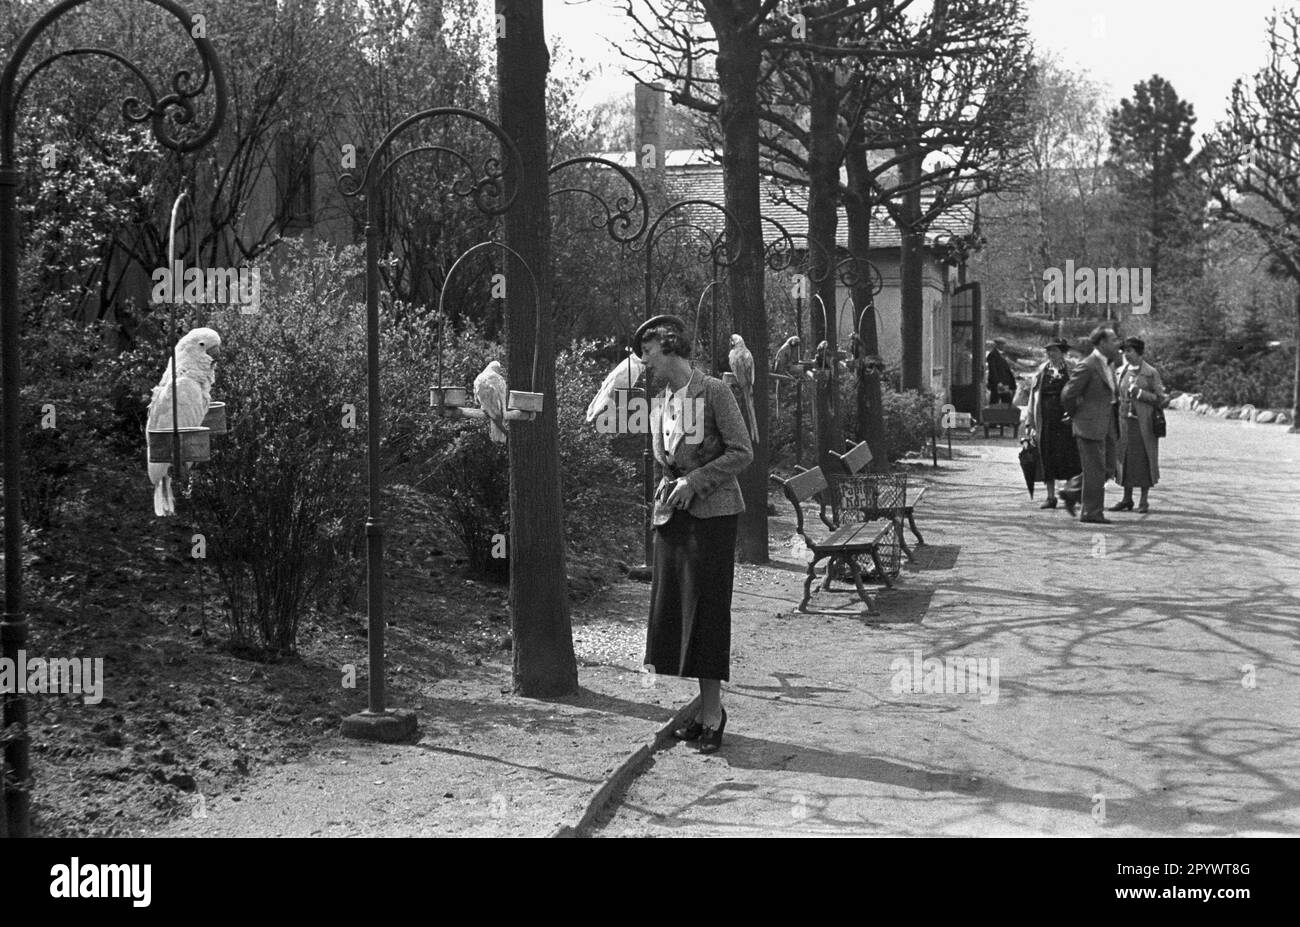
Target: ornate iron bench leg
[
  {"x": 807, "y": 584},
  {"x": 862, "y": 591},
  {"x": 902, "y": 543},
  {"x": 884, "y": 576},
  {"x": 912, "y": 522},
  {"x": 830, "y": 568}
]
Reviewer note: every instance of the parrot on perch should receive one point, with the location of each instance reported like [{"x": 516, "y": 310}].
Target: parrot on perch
[
  {"x": 196, "y": 371},
  {"x": 742, "y": 365},
  {"x": 623, "y": 376},
  {"x": 491, "y": 393},
  {"x": 786, "y": 355},
  {"x": 822, "y": 359},
  {"x": 857, "y": 350}
]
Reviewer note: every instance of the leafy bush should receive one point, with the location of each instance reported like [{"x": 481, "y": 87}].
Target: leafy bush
[
  {"x": 66, "y": 375},
  {"x": 601, "y": 490},
  {"x": 282, "y": 502},
  {"x": 472, "y": 483},
  {"x": 907, "y": 415},
  {"x": 908, "y": 421}
]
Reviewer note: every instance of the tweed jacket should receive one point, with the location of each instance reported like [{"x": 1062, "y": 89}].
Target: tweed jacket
[
  {"x": 1090, "y": 400},
  {"x": 710, "y": 466}
]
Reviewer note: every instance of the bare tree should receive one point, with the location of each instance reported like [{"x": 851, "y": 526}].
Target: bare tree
[{"x": 1253, "y": 159}]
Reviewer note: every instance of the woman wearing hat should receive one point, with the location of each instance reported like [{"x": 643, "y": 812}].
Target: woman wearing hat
[
  {"x": 701, "y": 442},
  {"x": 1138, "y": 460},
  {"x": 1047, "y": 425}
]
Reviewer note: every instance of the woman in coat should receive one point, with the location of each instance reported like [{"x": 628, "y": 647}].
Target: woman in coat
[
  {"x": 701, "y": 441},
  {"x": 1049, "y": 428},
  {"x": 1140, "y": 391}
]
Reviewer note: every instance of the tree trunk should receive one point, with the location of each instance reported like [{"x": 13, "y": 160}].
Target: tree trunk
[
  {"x": 823, "y": 221},
  {"x": 912, "y": 258},
  {"x": 544, "y": 663},
  {"x": 1295, "y": 389},
  {"x": 739, "y": 54},
  {"x": 857, "y": 206}
]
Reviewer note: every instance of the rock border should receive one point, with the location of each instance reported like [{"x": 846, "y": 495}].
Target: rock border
[{"x": 1193, "y": 402}]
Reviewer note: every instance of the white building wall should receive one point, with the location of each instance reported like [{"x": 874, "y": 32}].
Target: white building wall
[{"x": 936, "y": 335}]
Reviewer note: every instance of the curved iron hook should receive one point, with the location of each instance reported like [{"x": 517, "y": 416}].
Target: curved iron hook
[
  {"x": 719, "y": 241},
  {"x": 618, "y": 217},
  {"x": 491, "y": 184},
  {"x": 175, "y": 108},
  {"x": 537, "y": 305},
  {"x": 779, "y": 255}
]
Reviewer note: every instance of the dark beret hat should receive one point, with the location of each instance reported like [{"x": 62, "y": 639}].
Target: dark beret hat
[{"x": 669, "y": 321}]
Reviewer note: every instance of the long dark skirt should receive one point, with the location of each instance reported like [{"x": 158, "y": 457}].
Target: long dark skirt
[
  {"x": 690, "y": 597},
  {"x": 1136, "y": 472},
  {"x": 1057, "y": 450}
]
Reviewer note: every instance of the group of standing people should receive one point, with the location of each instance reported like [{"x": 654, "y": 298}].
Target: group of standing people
[{"x": 1094, "y": 420}]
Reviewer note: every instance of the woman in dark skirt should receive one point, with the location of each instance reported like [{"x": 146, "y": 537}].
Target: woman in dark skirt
[
  {"x": 701, "y": 441},
  {"x": 1057, "y": 453}
]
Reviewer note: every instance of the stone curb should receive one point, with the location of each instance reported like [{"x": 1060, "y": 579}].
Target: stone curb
[{"x": 625, "y": 772}]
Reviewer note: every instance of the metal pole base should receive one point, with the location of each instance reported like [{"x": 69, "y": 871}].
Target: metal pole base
[
  {"x": 391, "y": 726},
  {"x": 640, "y": 573}
]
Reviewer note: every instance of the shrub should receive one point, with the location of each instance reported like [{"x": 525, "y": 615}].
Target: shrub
[
  {"x": 908, "y": 421},
  {"x": 63, "y": 428},
  {"x": 282, "y": 501}
]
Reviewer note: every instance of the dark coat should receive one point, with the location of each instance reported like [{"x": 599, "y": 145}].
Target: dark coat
[{"x": 999, "y": 371}]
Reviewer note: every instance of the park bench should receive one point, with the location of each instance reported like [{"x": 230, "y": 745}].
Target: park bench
[
  {"x": 870, "y": 496},
  {"x": 844, "y": 543},
  {"x": 1001, "y": 416},
  {"x": 873, "y": 496}
]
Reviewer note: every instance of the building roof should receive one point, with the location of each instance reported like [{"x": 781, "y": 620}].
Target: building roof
[{"x": 694, "y": 174}]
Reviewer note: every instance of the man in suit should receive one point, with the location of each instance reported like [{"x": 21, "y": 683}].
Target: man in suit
[
  {"x": 1090, "y": 399},
  {"x": 1001, "y": 379}
]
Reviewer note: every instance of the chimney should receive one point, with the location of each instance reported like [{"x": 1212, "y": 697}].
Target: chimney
[{"x": 650, "y": 116}]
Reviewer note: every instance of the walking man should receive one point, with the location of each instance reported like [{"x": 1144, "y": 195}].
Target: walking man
[
  {"x": 1001, "y": 379},
  {"x": 1090, "y": 398}
]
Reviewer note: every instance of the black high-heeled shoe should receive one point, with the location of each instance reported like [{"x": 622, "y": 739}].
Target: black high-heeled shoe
[
  {"x": 711, "y": 738},
  {"x": 690, "y": 731}
]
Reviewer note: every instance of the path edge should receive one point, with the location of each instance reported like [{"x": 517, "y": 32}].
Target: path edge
[{"x": 625, "y": 772}]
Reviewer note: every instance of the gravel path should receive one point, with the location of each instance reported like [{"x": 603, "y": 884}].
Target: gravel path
[{"x": 1146, "y": 672}]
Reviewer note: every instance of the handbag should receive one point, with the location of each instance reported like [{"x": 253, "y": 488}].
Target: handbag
[
  {"x": 1158, "y": 426},
  {"x": 663, "y": 512}
]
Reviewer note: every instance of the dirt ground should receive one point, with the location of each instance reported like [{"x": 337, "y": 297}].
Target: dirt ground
[{"x": 185, "y": 725}]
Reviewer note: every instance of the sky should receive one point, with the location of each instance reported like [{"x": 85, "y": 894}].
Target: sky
[{"x": 1198, "y": 46}]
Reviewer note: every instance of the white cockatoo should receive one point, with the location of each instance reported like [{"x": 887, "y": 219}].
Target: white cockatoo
[
  {"x": 491, "y": 394},
  {"x": 742, "y": 365},
  {"x": 623, "y": 376},
  {"x": 196, "y": 371}
]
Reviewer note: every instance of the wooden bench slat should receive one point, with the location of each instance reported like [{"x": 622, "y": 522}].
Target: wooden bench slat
[
  {"x": 842, "y": 535},
  {"x": 803, "y": 486},
  {"x": 857, "y": 458}
]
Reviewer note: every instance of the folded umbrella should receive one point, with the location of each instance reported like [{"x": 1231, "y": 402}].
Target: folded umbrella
[{"x": 1029, "y": 464}]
